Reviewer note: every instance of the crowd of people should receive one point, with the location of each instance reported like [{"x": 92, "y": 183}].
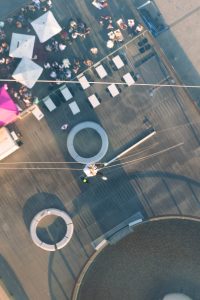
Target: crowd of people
[
  {"x": 5, "y": 59},
  {"x": 22, "y": 96},
  {"x": 114, "y": 29},
  {"x": 21, "y": 21},
  {"x": 28, "y": 13},
  {"x": 66, "y": 69},
  {"x": 75, "y": 29},
  {"x": 61, "y": 66}
]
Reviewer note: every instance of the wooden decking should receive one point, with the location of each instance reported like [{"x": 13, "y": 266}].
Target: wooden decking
[{"x": 163, "y": 184}]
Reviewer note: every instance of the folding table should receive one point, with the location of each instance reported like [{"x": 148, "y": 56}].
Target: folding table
[
  {"x": 84, "y": 82},
  {"x": 118, "y": 62},
  {"x": 113, "y": 90},
  {"x": 93, "y": 100},
  {"x": 49, "y": 103},
  {"x": 101, "y": 71},
  {"x": 74, "y": 107},
  {"x": 66, "y": 92},
  {"x": 128, "y": 79}
]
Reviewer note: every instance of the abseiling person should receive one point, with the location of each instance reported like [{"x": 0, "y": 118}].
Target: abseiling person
[{"x": 91, "y": 170}]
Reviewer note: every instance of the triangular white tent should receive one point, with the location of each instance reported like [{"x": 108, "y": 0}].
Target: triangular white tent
[
  {"x": 22, "y": 45},
  {"x": 46, "y": 26},
  {"x": 27, "y": 72}
]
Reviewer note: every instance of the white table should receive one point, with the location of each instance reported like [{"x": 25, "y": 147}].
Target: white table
[
  {"x": 84, "y": 82},
  {"x": 49, "y": 103},
  {"x": 113, "y": 90},
  {"x": 128, "y": 79},
  {"x": 118, "y": 62},
  {"x": 74, "y": 107},
  {"x": 101, "y": 71},
  {"x": 66, "y": 92},
  {"x": 93, "y": 100}
]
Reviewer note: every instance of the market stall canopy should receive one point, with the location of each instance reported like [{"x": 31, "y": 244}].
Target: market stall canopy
[
  {"x": 8, "y": 109},
  {"x": 27, "y": 72},
  {"x": 46, "y": 26},
  {"x": 22, "y": 45}
]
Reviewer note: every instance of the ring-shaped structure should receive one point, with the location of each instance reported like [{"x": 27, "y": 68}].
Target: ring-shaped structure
[
  {"x": 99, "y": 130},
  {"x": 44, "y": 213}
]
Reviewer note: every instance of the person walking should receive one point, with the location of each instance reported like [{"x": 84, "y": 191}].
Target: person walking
[{"x": 64, "y": 126}]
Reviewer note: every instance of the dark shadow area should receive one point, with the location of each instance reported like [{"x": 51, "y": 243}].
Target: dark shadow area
[
  {"x": 52, "y": 232},
  {"x": 67, "y": 259},
  {"x": 54, "y": 282},
  {"x": 87, "y": 139},
  {"x": 167, "y": 189},
  {"x": 38, "y": 202},
  {"x": 116, "y": 198},
  {"x": 10, "y": 282}
]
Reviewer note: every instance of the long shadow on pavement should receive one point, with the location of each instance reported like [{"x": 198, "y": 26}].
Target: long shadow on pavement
[{"x": 10, "y": 282}]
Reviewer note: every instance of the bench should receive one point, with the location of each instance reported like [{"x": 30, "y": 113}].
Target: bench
[
  {"x": 83, "y": 82},
  {"x": 66, "y": 92},
  {"x": 49, "y": 103},
  {"x": 128, "y": 79},
  {"x": 101, "y": 71}
]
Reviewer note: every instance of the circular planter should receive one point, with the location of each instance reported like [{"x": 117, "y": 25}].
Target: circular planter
[
  {"x": 77, "y": 129},
  {"x": 66, "y": 238}
]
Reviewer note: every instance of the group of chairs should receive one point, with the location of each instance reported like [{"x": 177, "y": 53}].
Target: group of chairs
[
  {"x": 128, "y": 78},
  {"x": 144, "y": 45},
  {"x": 67, "y": 96}
]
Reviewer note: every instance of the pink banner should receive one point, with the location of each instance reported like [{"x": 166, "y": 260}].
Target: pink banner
[{"x": 8, "y": 109}]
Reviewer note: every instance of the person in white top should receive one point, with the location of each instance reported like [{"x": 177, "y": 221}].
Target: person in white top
[{"x": 92, "y": 170}]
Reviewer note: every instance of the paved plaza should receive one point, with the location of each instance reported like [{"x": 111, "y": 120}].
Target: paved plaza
[{"x": 160, "y": 177}]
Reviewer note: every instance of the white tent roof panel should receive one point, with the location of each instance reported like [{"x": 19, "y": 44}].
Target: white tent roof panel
[
  {"x": 27, "y": 72},
  {"x": 22, "y": 45},
  {"x": 46, "y": 26}
]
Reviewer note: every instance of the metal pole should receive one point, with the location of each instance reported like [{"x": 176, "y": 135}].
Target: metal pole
[{"x": 130, "y": 148}]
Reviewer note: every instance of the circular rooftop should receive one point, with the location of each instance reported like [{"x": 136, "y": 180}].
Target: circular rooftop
[
  {"x": 176, "y": 296},
  {"x": 158, "y": 259}
]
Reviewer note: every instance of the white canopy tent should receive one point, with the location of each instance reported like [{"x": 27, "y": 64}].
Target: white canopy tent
[
  {"x": 7, "y": 144},
  {"x": 22, "y": 45},
  {"x": 27, "y": 72},
  {"x": 46, "y": 26}
]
